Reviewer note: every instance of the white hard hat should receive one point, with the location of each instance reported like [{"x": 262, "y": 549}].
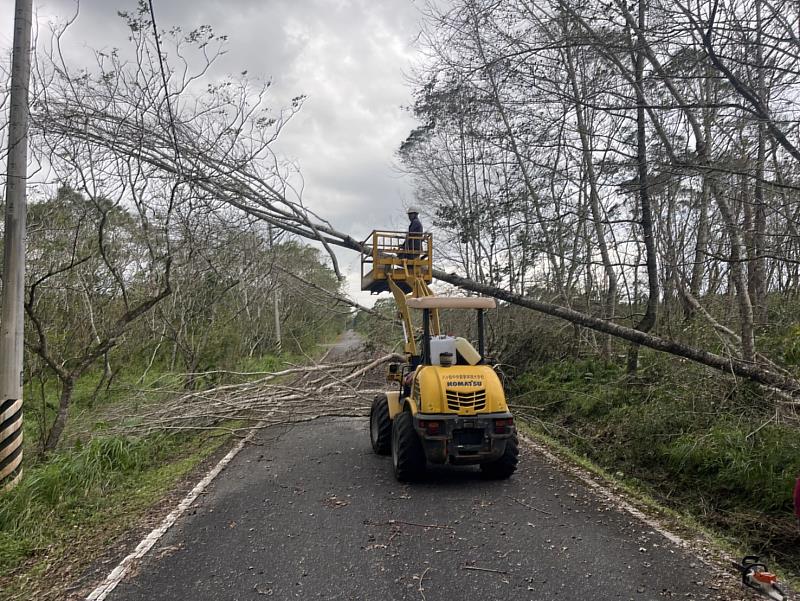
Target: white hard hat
[{"x": 412, "y": 209}]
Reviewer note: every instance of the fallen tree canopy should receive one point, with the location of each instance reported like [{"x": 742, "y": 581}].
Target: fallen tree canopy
[
  {"x": 252, "y": 197},
  {"x": 109, "y": 121},
  {"x": 291, "y": 395}
]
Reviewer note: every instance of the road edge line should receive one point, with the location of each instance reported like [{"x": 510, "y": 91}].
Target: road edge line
[
  {"x": 715, "y": 563},
  {"x": 609, "y": 495},
  {"x": 123, "y": 567}
]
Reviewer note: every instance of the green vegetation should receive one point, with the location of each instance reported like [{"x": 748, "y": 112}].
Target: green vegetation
[
  {"x": 72, "y": 504},
  {"x": 99, "y": 353},
  {"x": 89, "y": 486},
  {"x": 217, "y": 303}
]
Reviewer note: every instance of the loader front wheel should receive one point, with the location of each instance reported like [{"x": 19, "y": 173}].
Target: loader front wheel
[
  {"x": 506, "y": 464},
  {"x": 380, "y": 426},
  {"x": 408, "y": 456}
]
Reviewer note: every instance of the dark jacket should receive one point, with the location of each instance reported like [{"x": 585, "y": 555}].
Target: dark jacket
[{"x": 414, "y": 240}]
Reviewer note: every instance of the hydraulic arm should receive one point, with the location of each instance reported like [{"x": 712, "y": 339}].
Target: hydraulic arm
[{"x": 402, "y": 264}]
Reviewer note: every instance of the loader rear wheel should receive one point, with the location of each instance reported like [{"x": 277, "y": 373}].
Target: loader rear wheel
[
  {"x": 408, "y": 456},
  {"x": 380, "y": 426},
  {"x": 506, "y": 464}
]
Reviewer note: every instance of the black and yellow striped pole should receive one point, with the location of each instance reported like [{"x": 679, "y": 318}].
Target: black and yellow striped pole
[
  {"x": 10, "y": 442},
  {"x": 12, "y": 318}
]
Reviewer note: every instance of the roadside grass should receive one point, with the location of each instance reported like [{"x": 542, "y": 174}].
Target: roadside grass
[
  {"x": 66, "y": 509},
  {"x": 696, "y": 442},
  {"x": 72, "y": 504}
]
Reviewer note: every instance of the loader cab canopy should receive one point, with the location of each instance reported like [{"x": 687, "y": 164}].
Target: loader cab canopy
[
  {"x": 432, "y": 346},
  {"x": 452, "y": 302}
]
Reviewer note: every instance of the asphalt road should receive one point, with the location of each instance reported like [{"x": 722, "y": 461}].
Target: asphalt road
[{"x": 309, "y": 512}]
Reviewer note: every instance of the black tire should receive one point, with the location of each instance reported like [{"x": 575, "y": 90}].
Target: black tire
[
  {"x": 408, "y": 456},
  {"x": 506, "y": 464},
  {"x": 380, "y": 426}
]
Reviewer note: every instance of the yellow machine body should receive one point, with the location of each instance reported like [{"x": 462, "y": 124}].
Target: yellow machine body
[
  {"x": 395, "y": 404},
  {"x": 457, "y": 390},
  {"x": 450, "y": 406}
]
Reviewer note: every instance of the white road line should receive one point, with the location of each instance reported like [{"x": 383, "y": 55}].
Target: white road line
[
  {"x": 604, "y": 492},
  {"x": 714, "y": 561},
  {"x": 118, "y": 573}
]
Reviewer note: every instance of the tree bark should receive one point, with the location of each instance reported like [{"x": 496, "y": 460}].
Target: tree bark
[
  {"x": 64, "y": 401},
  {"x": 649, "y": 318},
  {"x": 701, "y": 237},
  {"x": 757, "y": 265},
  {"x": 594, "y": 200}
]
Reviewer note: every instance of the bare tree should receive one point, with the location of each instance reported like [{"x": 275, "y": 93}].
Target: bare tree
[{"x": 565, "y": 148}]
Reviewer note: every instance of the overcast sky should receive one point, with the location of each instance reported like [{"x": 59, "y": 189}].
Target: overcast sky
[{"x": 348, "y": 57}]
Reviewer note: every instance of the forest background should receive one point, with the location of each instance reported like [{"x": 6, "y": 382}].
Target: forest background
[{"x": 631, "y": 168}]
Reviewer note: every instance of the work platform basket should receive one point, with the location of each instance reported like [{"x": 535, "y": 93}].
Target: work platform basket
[{"x": 401, "y": 256}]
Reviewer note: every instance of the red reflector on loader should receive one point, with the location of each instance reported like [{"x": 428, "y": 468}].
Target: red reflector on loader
[
  {"x": 431, "y": 427},
  {"x": 500, "y": 425}
]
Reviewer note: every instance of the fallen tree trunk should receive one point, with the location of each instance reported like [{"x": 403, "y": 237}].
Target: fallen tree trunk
[
  {"x": 731, "y": 365},
  {"x": 241, "y": 185}
]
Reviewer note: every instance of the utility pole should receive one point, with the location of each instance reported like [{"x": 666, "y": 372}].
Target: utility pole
[{"x": 11, "y": 326}]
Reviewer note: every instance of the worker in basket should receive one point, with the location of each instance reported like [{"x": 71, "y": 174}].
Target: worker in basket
[{"x": 412, "y": 245}]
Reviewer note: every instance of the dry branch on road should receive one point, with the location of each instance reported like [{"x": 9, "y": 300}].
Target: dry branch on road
[{"x": 291, "y": 395}]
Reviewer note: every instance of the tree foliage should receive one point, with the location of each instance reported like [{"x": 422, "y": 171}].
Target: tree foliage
[
  {"x": 587, "y": 156},
  {"x": 137, "y": 254}
]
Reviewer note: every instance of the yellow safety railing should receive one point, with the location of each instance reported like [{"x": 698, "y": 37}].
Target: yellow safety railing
[{"x": 397, "y": 255}]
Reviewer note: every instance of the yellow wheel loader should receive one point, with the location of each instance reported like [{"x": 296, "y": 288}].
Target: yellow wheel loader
[{"x": 446, "y": 404}]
